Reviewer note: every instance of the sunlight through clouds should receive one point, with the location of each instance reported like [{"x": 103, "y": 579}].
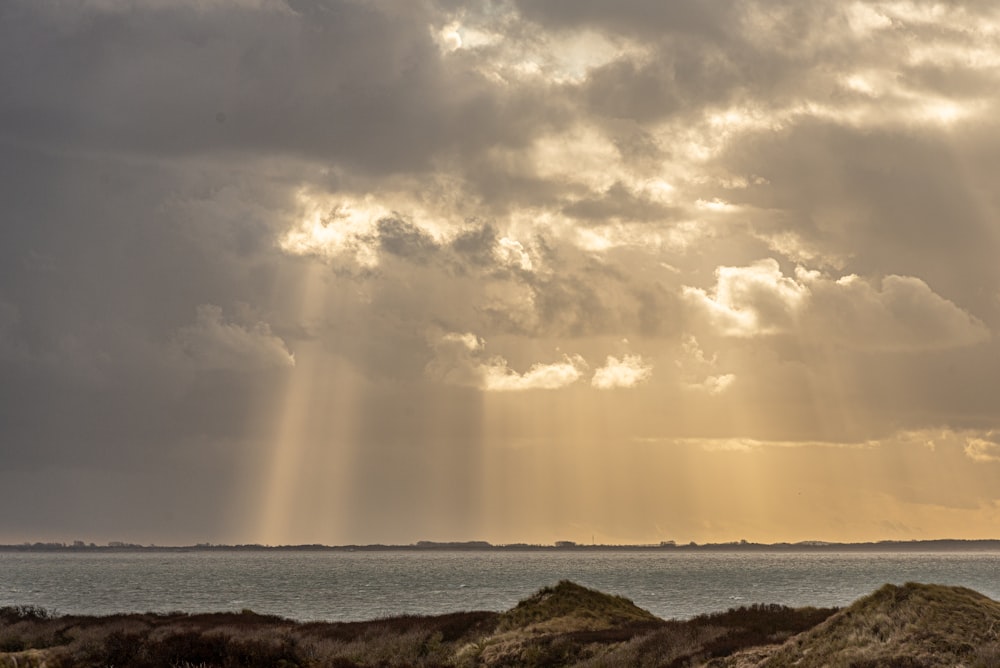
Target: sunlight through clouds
[
  {"x": 371, "y": 271},
  {"x": 335, "y": 230}
]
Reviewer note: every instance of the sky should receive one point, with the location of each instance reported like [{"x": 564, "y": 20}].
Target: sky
[{"x": 372, "y": 271}]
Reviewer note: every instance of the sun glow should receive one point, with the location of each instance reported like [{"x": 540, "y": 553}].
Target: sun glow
[
  {"x": 945, "y": 112},
  {"x": 334, "y": 228}
]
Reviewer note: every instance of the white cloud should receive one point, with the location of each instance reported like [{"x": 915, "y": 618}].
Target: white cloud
[
  {"x": 983, "y": 449},
  {"x": 629, "y": 371},
  {"x": 507, "y": 51},
  {"x": 469, "y": 341},
  {"x": 212, "y": 343},
  {"x": 752, "y": 300},
  {"x": 717, "y": 205},
  {"x": 336, "y": 230},
  {"x": 499, "y": 377},
  {"x": 511, "y": 253},
  {"x": 459, "y": 360},
  {"x": 716, "y": 384},
  {"x": 899, "y": 313},
  {"x": 454, "y": 36}
]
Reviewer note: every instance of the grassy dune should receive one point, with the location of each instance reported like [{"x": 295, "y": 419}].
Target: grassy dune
[
  {"x": 911, "y": 626},
  {"x": 563, "y": 625}
]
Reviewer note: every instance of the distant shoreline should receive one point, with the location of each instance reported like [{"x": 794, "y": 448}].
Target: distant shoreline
[{"x": 941, "y": 545}]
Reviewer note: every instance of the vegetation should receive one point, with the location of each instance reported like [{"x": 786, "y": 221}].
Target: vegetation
[
  {"x": 226, "y": 640},
  {"x": 569, "y": 605},
  {"x": 914, "y": 626}
]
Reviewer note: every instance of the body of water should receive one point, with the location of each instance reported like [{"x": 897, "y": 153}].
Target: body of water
[{"x": 347, "y": 586}]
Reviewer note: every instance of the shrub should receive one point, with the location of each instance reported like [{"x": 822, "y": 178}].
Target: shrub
[{"x": 18, "y": 613}]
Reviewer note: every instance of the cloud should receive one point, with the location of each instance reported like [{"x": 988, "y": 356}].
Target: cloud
[
  {"x": 404, "y": 239},
  {"x": 510, "y": 252},
  {"x": 750, "y": 301},
  {"x": 620, "y": 203},
  {"x": 716, "y": 384},
  {"x": 455, "y": 359},
  {"x": 629, "y": 371},
  {"x": 499, "y": 377},
  {"x": 341, "y": 231},
  {"x": 360, "y": 87},
  {"x": 791, "y": 245},
  {"x": 984, "y": 448},
  {"x": 356, "y": 233},
  {"x": 532, "y": 177},
  {"x": 478, "y": 245},
  {"x": 460, "y": 359},
  {"x": 898, "y": 313},
  {"x": 634, "y": 16},
  {"x": 875, "y": 200},
  {"x": 698, "y": 372},
  {"x": 212, "y": 343}
]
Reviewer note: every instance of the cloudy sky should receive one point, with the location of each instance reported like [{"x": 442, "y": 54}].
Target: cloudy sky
[{"x": 351, "y": 271}]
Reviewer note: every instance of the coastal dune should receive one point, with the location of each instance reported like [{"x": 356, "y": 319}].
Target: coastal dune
[{"x": 909, "y": 626}]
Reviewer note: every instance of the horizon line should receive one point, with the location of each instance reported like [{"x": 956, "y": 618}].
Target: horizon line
[{"x": 474, "y": 545}]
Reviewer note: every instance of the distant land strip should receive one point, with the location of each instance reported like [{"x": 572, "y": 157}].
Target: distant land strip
[{"x": 939, "y": 545}]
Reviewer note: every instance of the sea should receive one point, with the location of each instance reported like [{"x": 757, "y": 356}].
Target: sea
[{"x": 362, "y": 585}]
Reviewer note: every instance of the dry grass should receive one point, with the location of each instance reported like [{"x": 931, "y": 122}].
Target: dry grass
[
  {"x": 913, "y": 626},
  {"x": 559, "y": 626},
  {"x": 570, "y": 607},
  {"x": 228, "y": 640}
]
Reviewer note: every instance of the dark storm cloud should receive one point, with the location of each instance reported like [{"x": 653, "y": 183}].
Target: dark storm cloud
[
  {"x": 476, "y": 244},
  {"x": 341, "y": 81},
  {"x": 405, "y": 239},
  {"x": 106, "y": 363}
]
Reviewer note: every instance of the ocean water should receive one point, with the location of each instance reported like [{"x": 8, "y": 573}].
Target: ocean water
[{"x": 348, "y": 586}]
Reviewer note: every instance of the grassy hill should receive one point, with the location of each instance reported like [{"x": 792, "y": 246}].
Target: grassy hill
[
  {"x": 557, "y": 626},
  {"x": 912, "y": 626},
  {"x": 568, "y": 606}
]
